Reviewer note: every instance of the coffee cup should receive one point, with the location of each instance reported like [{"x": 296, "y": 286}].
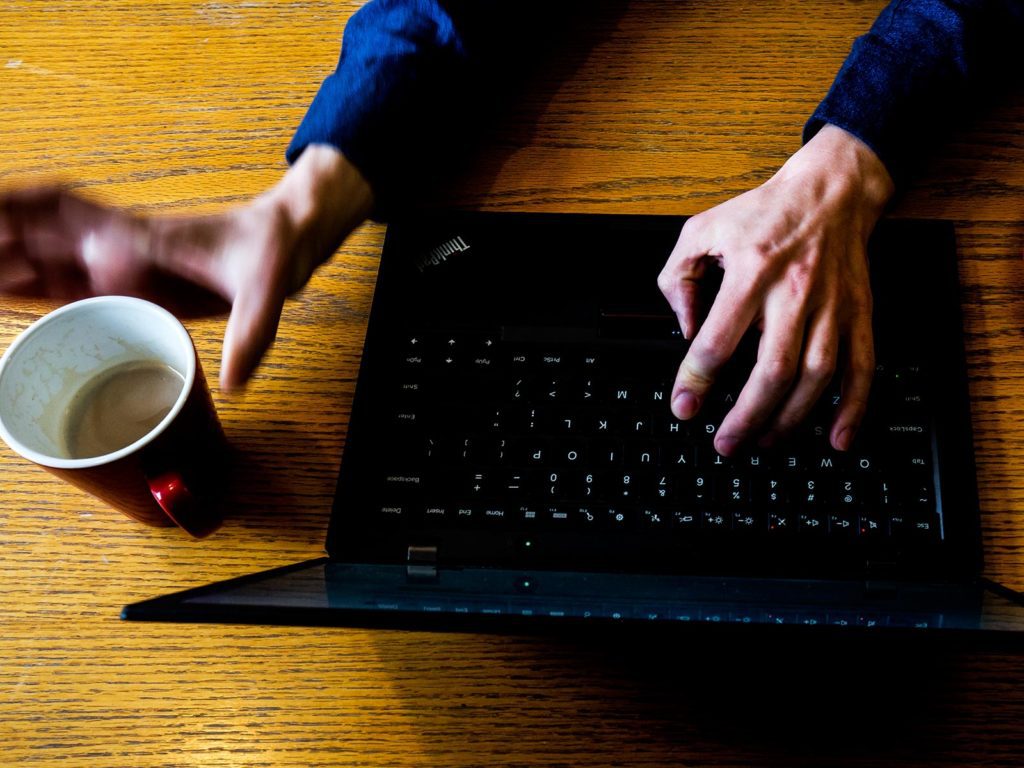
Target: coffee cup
[{"x": 108, "y": 394}]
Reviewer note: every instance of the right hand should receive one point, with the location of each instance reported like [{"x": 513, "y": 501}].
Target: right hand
[
  {"x": 794, "y": 255},
  {"x": 54, "y": 244}
]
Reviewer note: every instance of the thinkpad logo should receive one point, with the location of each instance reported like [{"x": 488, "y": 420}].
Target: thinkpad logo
[{"x": 441, "y": 253}]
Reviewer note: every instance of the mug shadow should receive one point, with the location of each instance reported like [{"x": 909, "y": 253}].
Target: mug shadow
[{"x": 266, "y": 495}]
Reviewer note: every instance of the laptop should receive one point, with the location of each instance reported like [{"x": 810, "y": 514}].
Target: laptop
[{"x": 512, "y": 463}]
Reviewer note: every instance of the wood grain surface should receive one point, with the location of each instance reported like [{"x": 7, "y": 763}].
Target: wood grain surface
[{"x": 665, "y": 107}]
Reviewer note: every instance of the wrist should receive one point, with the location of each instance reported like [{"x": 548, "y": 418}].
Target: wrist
[
  {"x": 837, "y": 163},
  {"x": 322, "y": 198}
]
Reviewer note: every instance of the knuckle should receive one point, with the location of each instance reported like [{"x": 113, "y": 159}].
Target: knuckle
[
  {"x": 693, "y": 376},
  {"x": 715, "y": 339},
  {"x": 764, "y": 249},
  {"x": 760, "y": 262},
  {"x": 789, "y": 421},
  {"x": 820, "y": 366},
  {"x": 864, "y": 361},
  {"x": 785, "y": 425},
  {"x": 800, "y": 279},
  {"x": 666, "y": 282},
  {"x": 738, "y": 428},
  {"x": 855, "y": 403},
  {"x": 693, "y": 226},
  {"x": 861, "y": 302},
  {"x": 778, "y": 371}
]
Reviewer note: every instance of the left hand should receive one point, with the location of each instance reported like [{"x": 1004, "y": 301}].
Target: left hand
[
  {"x": 794, "y": 255},
  {"x": 248, "y": 258}
]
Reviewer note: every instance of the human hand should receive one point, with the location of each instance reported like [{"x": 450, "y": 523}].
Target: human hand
[
  {"x": 794, "y": 255},
  {"x": 55, "y": 244}
]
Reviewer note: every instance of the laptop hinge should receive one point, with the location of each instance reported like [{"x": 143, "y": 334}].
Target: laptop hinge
[
  {"x": 879, "y": 569},
  {"x": 878, "y": 579},
  {"x": 421, "y": 563}
]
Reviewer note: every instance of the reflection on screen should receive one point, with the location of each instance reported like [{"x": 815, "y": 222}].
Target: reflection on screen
[{"x": 337, "y": 587}]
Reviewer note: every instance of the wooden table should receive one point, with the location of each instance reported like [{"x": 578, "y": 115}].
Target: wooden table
[{"x": 666, "y": 107}]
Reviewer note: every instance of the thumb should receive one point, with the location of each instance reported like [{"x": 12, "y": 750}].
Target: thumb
[{"x": 679, "y": 280}]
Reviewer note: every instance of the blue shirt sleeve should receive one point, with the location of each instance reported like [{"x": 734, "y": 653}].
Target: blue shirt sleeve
[
  {"x": 918, "y": 71},
  {"x": 402, "y": 91}
]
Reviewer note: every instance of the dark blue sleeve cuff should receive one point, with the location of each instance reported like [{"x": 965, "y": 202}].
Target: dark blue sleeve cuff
[
  {"x": 385, "y": 103},
  {"x": 867, "y": 99},
  {"x": 918, "y": 72}
]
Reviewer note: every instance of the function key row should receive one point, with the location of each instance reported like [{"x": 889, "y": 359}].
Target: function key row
[{"x": 918, "y": 525}]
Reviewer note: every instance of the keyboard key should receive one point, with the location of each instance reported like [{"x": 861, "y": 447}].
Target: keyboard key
[
  {"x": 843, "y": 523},
  {"x": 748, "y": 521},
  {"x": 438, "y": 514},
  {"x": 780, "y": 523},
  {"x": 873, "y": 525},
  {"x": 588, "y": 518},
  {"x": 685, "y": 520},
  {"x": 717, "y": 522},
  {"x": 558, "y": 518},
  {"x": 653, "y": 519},
  {"x": 813, "y": 522},
  {"x": 617, "y": 517}
]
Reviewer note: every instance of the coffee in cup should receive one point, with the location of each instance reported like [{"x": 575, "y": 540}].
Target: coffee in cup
[{"x": 117, "y": 406}]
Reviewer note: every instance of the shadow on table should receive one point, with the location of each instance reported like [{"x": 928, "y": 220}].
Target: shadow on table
[{"x": 708, "y": 701}]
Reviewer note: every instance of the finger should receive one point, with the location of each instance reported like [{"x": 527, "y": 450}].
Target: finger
[
  {"x": 688, "y": 292},
  {"x": 15, "y": 206},
  {"x": 17, "y": 277},
  {"x": 251, "y": 329},
  {"x": 772, "y": 375},
  {"x": 6, "y": 228},
  {"x": 44, "y": 223},
  {"x": 257, "y": 298},
  {"x": 816, "y": 370},
  {"x": 730, "y": 316},
  {"x": 860, "y": 369},
  {"x": 679, "y": 280},
  {"x": 24, "y": 274},
  {"x": 46, "y": 209},
  {"x": 29, "y": 201}
]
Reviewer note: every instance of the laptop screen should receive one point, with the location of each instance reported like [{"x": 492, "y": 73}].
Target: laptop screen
[{"x": 324, "y": 592}]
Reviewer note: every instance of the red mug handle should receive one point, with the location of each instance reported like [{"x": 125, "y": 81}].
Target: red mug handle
[{"x": 178, "y": 503}]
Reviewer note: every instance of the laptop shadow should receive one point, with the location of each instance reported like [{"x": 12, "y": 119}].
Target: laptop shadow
[
  {"x": 832, "y": 699},
  {"x": 652, "y": 701}
]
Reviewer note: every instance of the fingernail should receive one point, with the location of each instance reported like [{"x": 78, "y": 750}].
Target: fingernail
[
  {"x": 844, "y": 438},
  {"x": 685, "y": 405},
  {"x": 726, "y": 445}
]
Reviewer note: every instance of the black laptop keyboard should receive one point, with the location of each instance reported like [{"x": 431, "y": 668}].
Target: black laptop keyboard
[{"x": 488, "y": 432}]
